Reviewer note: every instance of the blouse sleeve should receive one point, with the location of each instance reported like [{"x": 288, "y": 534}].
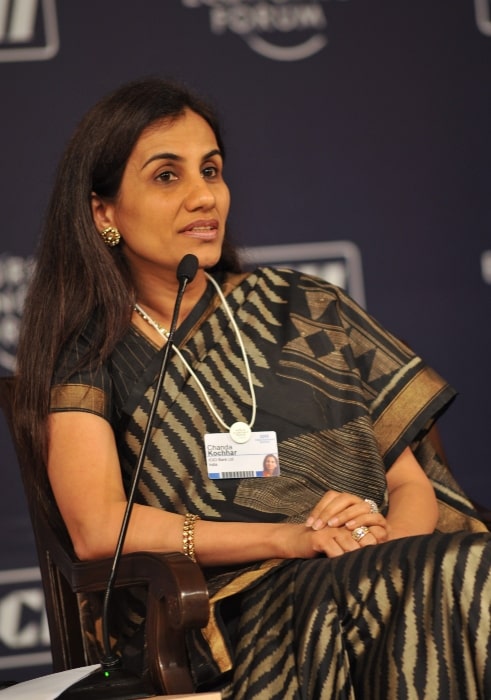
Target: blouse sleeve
[{"x": 74, "y": 389}]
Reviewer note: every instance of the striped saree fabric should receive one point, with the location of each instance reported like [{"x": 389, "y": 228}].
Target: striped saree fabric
[{"x": 345, "y": 397}]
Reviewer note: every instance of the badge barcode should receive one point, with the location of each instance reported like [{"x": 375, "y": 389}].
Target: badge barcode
[{"x": 237, "y": 475}]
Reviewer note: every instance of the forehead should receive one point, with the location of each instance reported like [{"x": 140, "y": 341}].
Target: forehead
[{"x": 185, "y": 135}]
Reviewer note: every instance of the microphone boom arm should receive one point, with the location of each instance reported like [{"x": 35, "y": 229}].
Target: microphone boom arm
[{"x": 186, "y": 272}]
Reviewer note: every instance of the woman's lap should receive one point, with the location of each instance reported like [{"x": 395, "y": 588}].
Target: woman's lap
[{"x": 407, "y": 619}]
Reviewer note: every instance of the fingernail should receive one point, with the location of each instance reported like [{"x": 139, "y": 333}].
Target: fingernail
[
  {"x": 318, "y": 525},
  {"x": 309, "y": 522},
  {"x": 333, "y": 522}
]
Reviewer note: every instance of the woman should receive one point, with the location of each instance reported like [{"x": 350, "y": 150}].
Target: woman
[
  {"x": 340, "y": 572},
  {"x": 271, "y": 466}
]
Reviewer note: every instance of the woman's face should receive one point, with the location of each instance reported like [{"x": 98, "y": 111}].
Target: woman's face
[
  {"x": 173, "y": 199},
  {"x": 269, "y": 465}
]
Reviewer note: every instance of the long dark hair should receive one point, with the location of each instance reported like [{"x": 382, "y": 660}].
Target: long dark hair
[{"x": 76, "y": 275}]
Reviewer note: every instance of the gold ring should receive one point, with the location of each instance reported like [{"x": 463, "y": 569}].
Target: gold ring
[
  {"x": 359, "y": 532},
  {"x": 372, "y": 504}
]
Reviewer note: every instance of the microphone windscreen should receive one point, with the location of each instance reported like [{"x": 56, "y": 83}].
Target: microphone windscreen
[{"x": 187, "y": 268}]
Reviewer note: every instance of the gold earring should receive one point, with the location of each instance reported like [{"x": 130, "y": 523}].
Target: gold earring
[{"x": 111, "y": 236}]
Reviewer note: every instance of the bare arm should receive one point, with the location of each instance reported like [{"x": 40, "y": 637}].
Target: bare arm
[{"x": 413, "y": 508}]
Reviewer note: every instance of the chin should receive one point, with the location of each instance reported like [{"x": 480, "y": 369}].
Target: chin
[{"x": 208, "y": 260}]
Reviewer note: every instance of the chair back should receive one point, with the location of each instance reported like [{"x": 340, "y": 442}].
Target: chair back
[{"x": 62, "y": 608}]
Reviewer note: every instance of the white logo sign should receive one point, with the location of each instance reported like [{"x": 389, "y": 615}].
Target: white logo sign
[
  {"x": 24, "y": 634},
  {"x": 28, "y": 30},
  {"x": 15, "y": 273},
  {"x": 283, "y": 30},
  {"x": 483, "y": 15},
  {"x": 486, "y": 266}
]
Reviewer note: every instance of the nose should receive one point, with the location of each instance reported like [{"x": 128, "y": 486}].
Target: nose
[{"x": 200, "y": 195}]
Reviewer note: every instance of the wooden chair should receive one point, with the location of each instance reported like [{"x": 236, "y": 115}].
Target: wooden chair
[
  {"x": 482, "y": 511},
  {"x": 177, "y": 597}
]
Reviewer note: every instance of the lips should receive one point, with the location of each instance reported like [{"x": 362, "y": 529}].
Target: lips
[{"x": 204, "y": 229}]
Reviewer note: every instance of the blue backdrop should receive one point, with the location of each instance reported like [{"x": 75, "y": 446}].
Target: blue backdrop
[{"x": 360, "y": 128}]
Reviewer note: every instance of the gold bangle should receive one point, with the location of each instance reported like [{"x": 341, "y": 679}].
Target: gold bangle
[{"x": 188, "y": 535}]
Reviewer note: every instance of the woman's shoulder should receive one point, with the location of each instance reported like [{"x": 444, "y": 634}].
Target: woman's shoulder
[{"x": 286, "y": 278}]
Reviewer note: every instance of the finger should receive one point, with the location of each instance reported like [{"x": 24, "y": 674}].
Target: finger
[
  {"x": 351, "y": 513},
  {"x": 359, "y": 533},
  {"x": 333, "y": 548},
  {"x": 359, "y": 508},
  {"x": 373, "y": 507},
  {"x": 334, "y": 541},
  {"x": 366, "y": 519},
  {"x": 368, "y": 540},
  {"x": 347, "y": 542},
  {"x": 337, "y": 509},
  {"x": 375, "y": 533},
  {"x": 319, "y": 508},
  {"x": 378, "y": 534}
]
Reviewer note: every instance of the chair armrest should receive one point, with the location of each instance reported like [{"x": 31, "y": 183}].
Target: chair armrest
[
  {"x": 173, "y": 576},
  {"x": 177, "y": 601}
]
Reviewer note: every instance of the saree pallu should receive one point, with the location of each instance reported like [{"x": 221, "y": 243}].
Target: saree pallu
[{"x": 344, "y": 397}]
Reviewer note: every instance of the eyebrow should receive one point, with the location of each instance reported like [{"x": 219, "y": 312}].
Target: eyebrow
[{"x": 175, "y": 157}]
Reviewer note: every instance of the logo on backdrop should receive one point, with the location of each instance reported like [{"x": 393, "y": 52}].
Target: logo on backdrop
[
  {"x": 483, "y": 15},
  {"x": 486, "y": 266},
  {"x": 338, "y": 262},
  {"x": 283, "y": 30},
  {"x": 15, "y": 273},
  {"x": 24, "y": 634},
  {"x": 28, "y": 30}
]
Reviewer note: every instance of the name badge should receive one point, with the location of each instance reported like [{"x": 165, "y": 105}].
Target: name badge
[{"x": 227, "y": 459}]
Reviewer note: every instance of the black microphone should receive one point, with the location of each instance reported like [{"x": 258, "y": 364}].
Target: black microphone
[
  {"x": 186, "y": 272},
  {"x": 111, "y": 680}
]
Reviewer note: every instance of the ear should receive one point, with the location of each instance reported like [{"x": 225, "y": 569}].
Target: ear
[{"x": 102, "y": 212}]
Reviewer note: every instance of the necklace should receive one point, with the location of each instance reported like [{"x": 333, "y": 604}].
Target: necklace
[
  {"x": 239, "y": 431},
  {"x": 152, "y": 322}
]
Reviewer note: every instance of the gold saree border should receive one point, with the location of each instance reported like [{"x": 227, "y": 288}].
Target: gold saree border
[
  {"x": 421, "y": 390},
  {"x": 450, "y": 519},
  {"x": 212, "y": 632},
  {"x": 81, "y": 397}
]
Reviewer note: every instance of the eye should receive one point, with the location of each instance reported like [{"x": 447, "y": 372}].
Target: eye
[
  {"x": 166, "y": 176},
  {"x": 210, "y": 172}
]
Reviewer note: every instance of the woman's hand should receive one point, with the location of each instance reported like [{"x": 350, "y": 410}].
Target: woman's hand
[
  {"x": 334, "y": 541},
  {"x": 298, "y": 541},
  {"x": 413, "y": 508},
  {"x": 345, "y": 511}
]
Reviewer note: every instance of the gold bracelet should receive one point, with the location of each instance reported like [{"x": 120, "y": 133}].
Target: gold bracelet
[{"x": 188, "y": 535}]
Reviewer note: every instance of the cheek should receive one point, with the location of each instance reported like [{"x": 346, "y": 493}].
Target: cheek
[
  {"x": 145, "y": 212},
  {"x": 225, "y": 199}
]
